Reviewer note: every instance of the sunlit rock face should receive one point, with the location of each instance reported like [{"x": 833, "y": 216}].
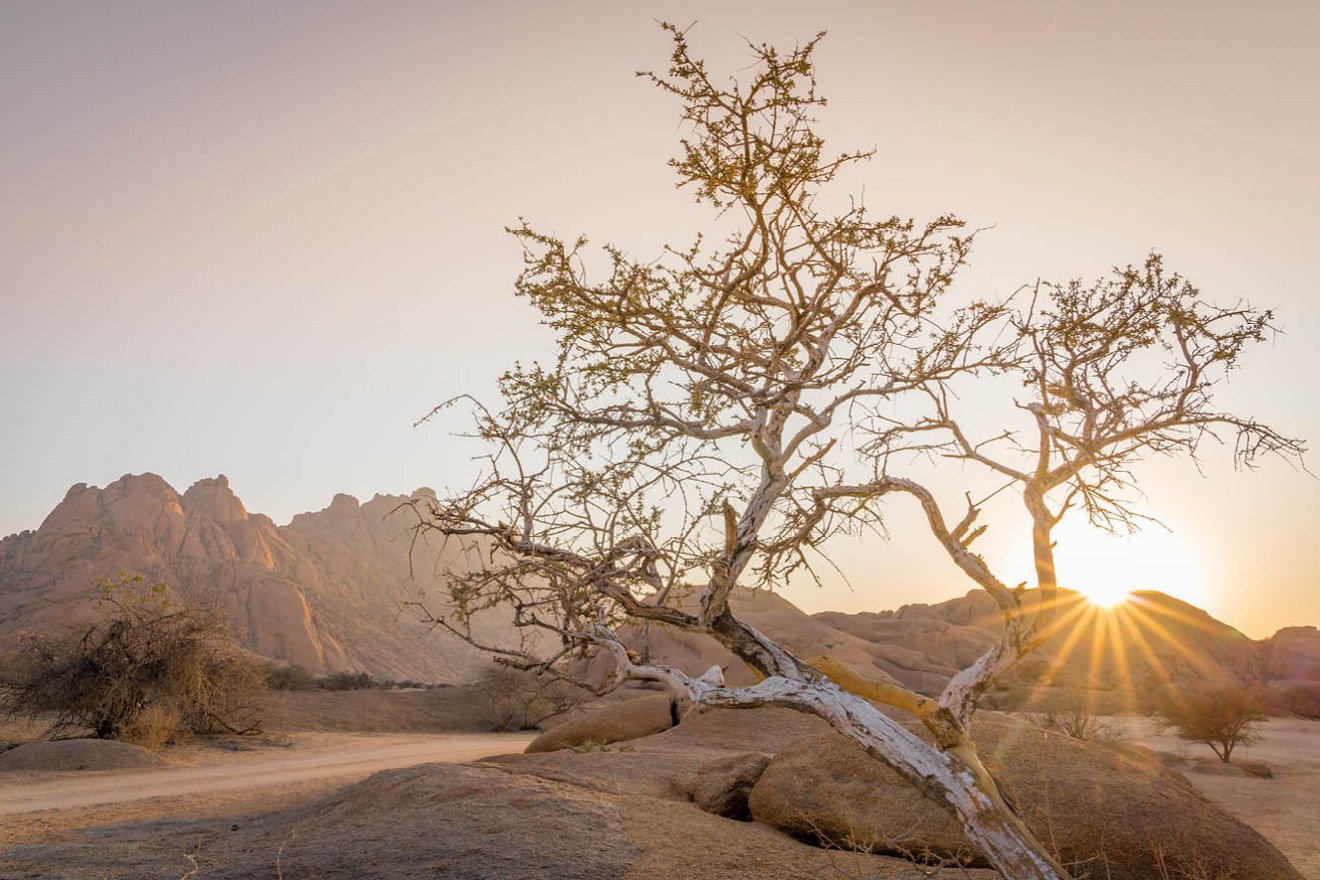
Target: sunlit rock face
[
  {"x": 1127, "y": 652},
  {"x": 1293, "y": 654},
  {"x": 1120, "y": 657},
  {"x": 325, "y": 591},
  {"x": 1292, "y": 664}
]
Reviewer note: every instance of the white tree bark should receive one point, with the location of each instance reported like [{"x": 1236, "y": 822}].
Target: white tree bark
[{"x": 951, "y": 774}]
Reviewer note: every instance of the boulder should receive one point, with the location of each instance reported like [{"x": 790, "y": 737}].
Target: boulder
[
  {"x": 1300, "y": 698},
  {"x": 722, "y": 786},
  {"x": 764, "y": 729},
  {"x": 1108, "y": 811},
  {"x": 464, "y": 822},
  {"x": 78, "y": 754},
  {"x": 609, "y": 722},
  {"x": 825, "y": 789}
]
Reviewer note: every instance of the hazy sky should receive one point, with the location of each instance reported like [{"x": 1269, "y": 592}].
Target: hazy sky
[{"x": 263, "y": 239}]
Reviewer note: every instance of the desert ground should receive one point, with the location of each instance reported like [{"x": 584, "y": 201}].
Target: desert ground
[
  {"x": 293, "y": 763},
  {"x": 1284, "y": 808},
  {"x": 254, "y": 806}
]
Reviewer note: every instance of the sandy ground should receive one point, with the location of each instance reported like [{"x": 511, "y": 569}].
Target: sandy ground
[
  {"x": 1286, "y": 808},
  {"x": 228, "y": 783},
  {"x": 222, "y": 778},
  {"x": 343, "y": 758}
]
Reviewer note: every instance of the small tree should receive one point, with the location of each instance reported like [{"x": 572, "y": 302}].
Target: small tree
[
  {"x": 716, "y": 415},
  {"x": 145, "y": 654},
  {"x": 1222, "y": 717}
]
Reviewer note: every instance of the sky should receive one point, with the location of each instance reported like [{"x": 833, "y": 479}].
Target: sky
[{"x": 265, "y": 239}]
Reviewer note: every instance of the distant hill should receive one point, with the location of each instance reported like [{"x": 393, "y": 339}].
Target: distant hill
[
  {"x": 1123, "y": 656},
  {"x": 326, "y": 591}
]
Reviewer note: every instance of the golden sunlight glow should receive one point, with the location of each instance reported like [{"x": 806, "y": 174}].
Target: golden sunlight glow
[
  {"x": 1128, "y": 649},
  {"x": 1106, "y": 595},
  {"x": 1106, "y": 568}
]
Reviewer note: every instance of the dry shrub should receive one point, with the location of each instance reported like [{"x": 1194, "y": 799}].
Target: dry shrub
[
  {"x": 1076, "y": 716},
  {"x": 521, "y": 700},
  {"x": 288, "y": 677},
  {"x": 146, "y": 653},
  {"x": 1259, "y": 769},
  {"x": 345, "y": 681},
  {"x": 154, "y": 728}
]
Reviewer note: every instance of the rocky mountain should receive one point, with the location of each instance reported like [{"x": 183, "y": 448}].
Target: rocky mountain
[
  {"x": 329, "y": 591},
  {"x": 1151, "y": 639},
  {"x": 1120, "y": 656},
  {"x": 326, "y": 591}
]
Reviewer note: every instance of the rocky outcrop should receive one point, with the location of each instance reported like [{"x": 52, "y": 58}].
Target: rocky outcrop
[
  {"x": 1108, "y": 811},
  {"x": 1293, "y": 654},
  {"x": 1164, "y": 642},
  {"x": 476, "y": 822},
  {"x": 608, "y": 722},
  {"x": 327, "y": 591},
  {"x": 723, "y": 786}
]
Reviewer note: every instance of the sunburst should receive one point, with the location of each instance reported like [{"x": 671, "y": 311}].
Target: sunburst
[
  {"x": 1106, "y": 595},
  {"x": 1115, "y": 645}
]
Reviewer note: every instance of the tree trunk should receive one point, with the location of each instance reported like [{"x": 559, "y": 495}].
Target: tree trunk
[{"x": 954, "y": 777}]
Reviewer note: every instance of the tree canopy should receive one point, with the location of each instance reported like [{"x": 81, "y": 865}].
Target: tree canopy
[{"x": 715, "y": 416}]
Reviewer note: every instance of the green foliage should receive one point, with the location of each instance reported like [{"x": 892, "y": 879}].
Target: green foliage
[
  {"x": 347, "y": 681},
  {"x": 1221, "y": 716},
  {"x": 590, "y": 745},
  {"x": 145, "y": 659}
]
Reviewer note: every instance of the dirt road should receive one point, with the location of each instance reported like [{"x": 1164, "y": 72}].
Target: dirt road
[{"x": 30, "y": 793}]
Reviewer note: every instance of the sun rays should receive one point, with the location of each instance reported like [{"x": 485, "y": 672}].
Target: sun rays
[{"x": 1125, "y": 653}]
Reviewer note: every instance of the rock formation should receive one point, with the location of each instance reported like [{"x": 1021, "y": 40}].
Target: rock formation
[
  {"x": 327, "y": 591},
  {"x": 1119, "y": 658},
  {"x": 1109, "y": 811}
]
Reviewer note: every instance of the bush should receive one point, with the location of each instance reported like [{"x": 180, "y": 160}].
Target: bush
[
  {"x": 1076, "y": 716},
  {"x": 288, "y": 677},
  {"x": 346, "y": 681},
  {"x": 1221, "y": 716},
  {"x": 154, "y": 728},
  {"x": 521, "y": 700},
  {"x": 148, "y": 667}
]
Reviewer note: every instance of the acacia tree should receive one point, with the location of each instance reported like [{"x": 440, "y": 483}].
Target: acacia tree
[
  {"x": 1222, "y": 716},
  {"x": 1112, "y": 373},
  {"x": 715, "y": 416}
]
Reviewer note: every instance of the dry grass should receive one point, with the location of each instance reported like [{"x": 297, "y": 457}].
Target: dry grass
[
  {"x": 155, "y": 728},
  {"x": 1285, "y": 807}
]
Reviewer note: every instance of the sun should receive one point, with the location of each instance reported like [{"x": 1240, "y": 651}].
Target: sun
[
  {"x": 1106, "y": 595},
  {"x": 1107, "y": 568}
]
